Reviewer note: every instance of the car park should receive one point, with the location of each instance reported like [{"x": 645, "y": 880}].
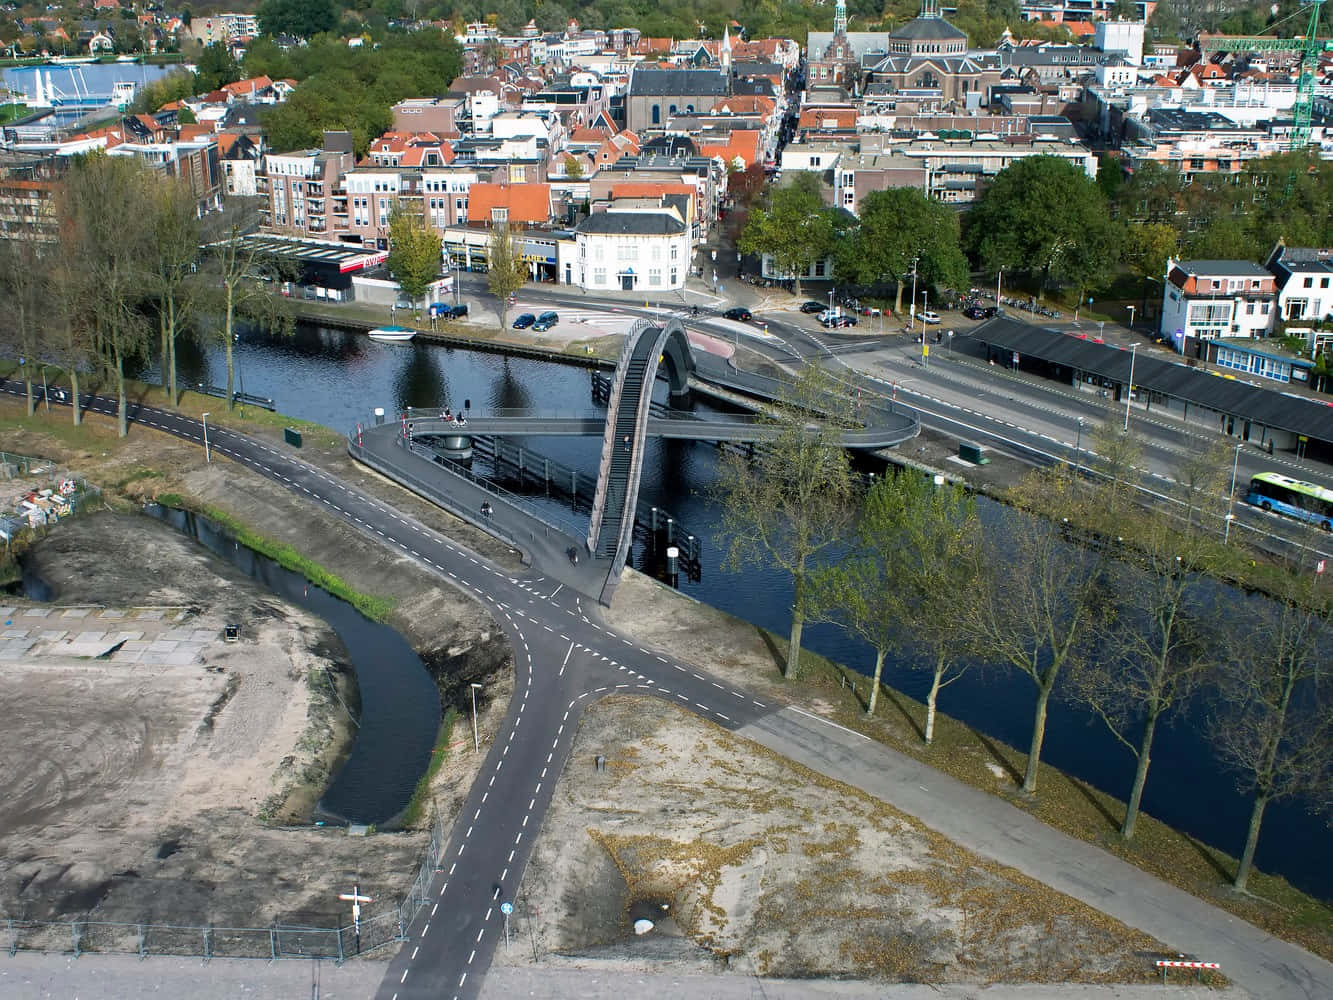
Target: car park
[
  {"x": 545, "y": 321},
  {"x": 524, "y": 320},
  {"x": 834, "y": 318},
  {"x": 739, "y": 313},
  {"x": 812, "y": 307},
  {"x": 927, "y": 316}
]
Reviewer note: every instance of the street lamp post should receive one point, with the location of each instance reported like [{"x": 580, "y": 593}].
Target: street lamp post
[
  {"x": 1131, "y": 318},
  {"x": 46, "y": 396},
  {"x": 912, "y": 307},
  {"x": 1129, "y": 389},
  {"x": 207, "y": 456},
  {"x": 1231, "y": 499},
  {"x": 476, "y": 740},
  {"x": 1078, "y": 448}
]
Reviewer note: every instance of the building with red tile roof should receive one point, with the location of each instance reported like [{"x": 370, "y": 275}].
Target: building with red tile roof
[{"x": 516, "y": 204}]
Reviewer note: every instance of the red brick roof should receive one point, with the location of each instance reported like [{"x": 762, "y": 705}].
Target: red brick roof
[{"x": 528, "y": 204}]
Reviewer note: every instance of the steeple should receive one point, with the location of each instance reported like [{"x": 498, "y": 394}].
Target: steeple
[
  {"x": 726, "y": 49},
  {"x": 840, "y": 17},
  {"x": 930, "y": 9}
]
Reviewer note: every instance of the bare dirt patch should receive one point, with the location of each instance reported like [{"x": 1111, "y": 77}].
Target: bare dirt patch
[{"x": 739, "y": 855}]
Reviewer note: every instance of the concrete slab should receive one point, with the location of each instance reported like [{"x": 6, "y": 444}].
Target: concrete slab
[
  {"x": 203, "y": 635},
  {"x": 90, "y": 637},
  {"x": 127, "y": 655},
  {"x": 163, "y": 646},
  {"x": 112, "y": 613},
  {"x": 15, "y": 633},
  {"x": 76, "y": 612},
  {"x": 7, "y": 611},
  {"x": 177, "y": 634},
  {"x": 127, "y": 636},
  {"x": 53, "y": 635},
  {"x": 150, "y": 614},
  {"x": 181, "y": 658},
  {"x": 36, "y": 612}
]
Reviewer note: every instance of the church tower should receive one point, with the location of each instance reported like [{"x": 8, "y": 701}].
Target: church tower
[
  {"x": 725, "y": 53},
  {"x": 840, "y": 17}
]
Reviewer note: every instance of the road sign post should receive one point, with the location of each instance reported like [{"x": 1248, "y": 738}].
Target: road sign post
[
  {"x": 356, "y": 900},
  {"x": 506, "y": 908}
]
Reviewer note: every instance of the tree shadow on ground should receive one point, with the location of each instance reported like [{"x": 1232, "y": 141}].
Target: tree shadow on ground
[{"x": 998, "y": 757}]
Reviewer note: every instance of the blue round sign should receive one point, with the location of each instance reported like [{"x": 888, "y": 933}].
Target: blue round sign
[{"x": 506, "y": 908}]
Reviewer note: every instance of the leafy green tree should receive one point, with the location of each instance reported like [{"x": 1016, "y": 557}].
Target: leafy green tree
[
  {"x": 215, "y": 66},
  {"x": 794, "y": 499},
  {"x": 507, "y": 271},
  {"x": 299, "y": 18},
  {"x": 915, "y": 552},
  {"x": 794, "y": 227},
  {"x": 1147, "y": 247},
  {"x": 897, "y": 226},
  {"x": 414, "y": 252},
  {"x": 1045, "y": 216}
]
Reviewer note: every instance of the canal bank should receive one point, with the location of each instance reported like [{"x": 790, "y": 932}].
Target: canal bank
[{"x": 683, "y": 623}]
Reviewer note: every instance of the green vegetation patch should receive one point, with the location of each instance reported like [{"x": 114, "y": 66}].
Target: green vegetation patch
[{"x": 412, "y": 814}]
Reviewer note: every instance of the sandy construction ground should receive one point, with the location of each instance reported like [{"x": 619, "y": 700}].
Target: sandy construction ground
[
  {"x": 745, "y": 860},
  {"x": 134, "y": 790}
]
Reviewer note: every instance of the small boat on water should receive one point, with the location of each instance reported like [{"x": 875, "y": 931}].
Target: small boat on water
[{"x": 392, "y": 334}]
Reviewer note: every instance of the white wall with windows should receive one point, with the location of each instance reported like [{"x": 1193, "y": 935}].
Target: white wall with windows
[
  {"x": 1214, "y": 316},
  {"x": 636, "y": 263}
]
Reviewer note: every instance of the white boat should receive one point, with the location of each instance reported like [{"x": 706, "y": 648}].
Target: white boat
[{"x": 394, "y": 334}]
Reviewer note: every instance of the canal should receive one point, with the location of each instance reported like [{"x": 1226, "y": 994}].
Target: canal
[{"x": 337, "y": 378}]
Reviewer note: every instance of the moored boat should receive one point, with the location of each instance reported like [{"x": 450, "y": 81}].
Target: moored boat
[{"x": 392, "y": 334}]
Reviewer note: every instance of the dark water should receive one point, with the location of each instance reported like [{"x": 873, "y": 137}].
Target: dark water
[
  {"x": 400, "y": 709},
  {"x": 337, "y": 378}
]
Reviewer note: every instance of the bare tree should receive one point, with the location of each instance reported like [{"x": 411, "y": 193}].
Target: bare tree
[
  {"x": 1038, "y": 598},
  {"x": 794, "y": 498},
  {"x": 1273, "y": 723},
  {"x": 1158, "y": 646},
  {"x": 24, "y": 257},
  {"x": 177, "y": 232},
  {"x": 112, "y": 247},
  {"x": 243, "y": 275}
]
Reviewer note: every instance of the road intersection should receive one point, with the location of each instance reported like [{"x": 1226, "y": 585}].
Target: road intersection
[{"x": 565, "y": 658}]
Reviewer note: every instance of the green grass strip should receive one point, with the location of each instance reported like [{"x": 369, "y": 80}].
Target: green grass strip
[
  {"x": 375, "y": 608},
  {"x": 412, "y": 814}
]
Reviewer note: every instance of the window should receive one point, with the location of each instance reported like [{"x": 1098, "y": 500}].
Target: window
[
  {"x": 1323, "y": 282},
  {"x": 1309, "y": 282},
  {"x": 499, "y": 216},
  {"x": 674, "y": 277},
  {"x": 848, "y": 198},
  {"x": 657, "y": 114},
  {"x": 599, "y": 275},
  {"x": 814, "y": 161},
  {"x": 675, "y": 250},
  {"x": 655, "y": 277}
]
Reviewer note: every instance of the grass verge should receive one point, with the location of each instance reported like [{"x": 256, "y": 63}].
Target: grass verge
[
  {"x": 1063, "y": 801},
  {"x": 412, "y": 814}
]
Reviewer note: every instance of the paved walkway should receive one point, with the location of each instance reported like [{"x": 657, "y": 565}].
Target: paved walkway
[
  {"x": 1263, "y": 966},
  {"x": 124, "y": 977},
  {"x": 507, "y": 983}
]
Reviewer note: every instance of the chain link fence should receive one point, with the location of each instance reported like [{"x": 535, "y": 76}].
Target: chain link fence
[{"x": 75, "y": 937}]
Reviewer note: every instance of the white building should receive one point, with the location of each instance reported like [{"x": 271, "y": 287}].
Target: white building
[
  {"x": 1125, "y": 37},
  {"x": 644, "y": 250},
  {"x": 1303, "y": 279},
  {"x": 1208, "y": 299}
]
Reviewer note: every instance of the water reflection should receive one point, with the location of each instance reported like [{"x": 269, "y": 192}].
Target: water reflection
[{"x": 336, "y": 378}]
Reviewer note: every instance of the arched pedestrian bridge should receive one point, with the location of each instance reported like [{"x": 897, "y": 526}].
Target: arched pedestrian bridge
[{"x": 649, "y": 350}]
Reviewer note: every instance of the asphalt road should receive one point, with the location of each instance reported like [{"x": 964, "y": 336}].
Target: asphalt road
[{"x": 565, "y": 658}]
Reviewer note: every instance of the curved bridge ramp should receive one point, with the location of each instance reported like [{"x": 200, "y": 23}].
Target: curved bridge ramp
[{"x": 611, "y": 531}]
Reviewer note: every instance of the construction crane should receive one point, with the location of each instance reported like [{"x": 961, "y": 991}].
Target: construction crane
[{"x": 1308, "y": 45}]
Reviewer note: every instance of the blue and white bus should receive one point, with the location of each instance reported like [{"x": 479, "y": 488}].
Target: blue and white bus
[{"x": 1273, "y": 491}]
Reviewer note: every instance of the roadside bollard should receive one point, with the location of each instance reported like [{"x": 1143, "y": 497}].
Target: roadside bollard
[{"x": 599, "y": 762}]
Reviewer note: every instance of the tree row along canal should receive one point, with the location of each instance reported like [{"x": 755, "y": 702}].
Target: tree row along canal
[{"x": 337, "y": 378}]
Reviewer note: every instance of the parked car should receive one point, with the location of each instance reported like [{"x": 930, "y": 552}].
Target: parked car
[
  {"x": 812, "y": 306},
  {"x": 739, "y": 313},
  {"x": 834, "y": 319},
  {"x": 979, "y": 312},
  {"x": 545, "y": 321},
  {"x": 524, "y": 320},
  {"x": 929, "y": 316},
  {"x": 870, "y": 310}
]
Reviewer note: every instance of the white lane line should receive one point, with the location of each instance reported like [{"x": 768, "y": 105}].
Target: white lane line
[
  {"x": 564, "y": 663},
  {"x": 826, "y": 722}
]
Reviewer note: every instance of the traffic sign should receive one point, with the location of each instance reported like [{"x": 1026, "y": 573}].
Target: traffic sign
[{"x": 506, "y": 908}]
